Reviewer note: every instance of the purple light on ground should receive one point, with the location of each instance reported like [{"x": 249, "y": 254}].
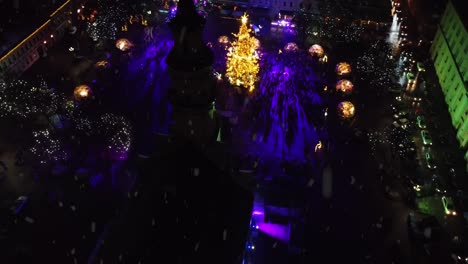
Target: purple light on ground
[
  {"x": 257, "y": 213},
  {"x": 291, "y": 93},
  {"x": 151, "y": 52},
  {"x": 96, "y": 179},
  {"x": 276, "y": 231}
]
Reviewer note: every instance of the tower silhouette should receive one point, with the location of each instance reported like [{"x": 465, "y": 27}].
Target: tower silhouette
[
  {"x": 190, "y": 208},
  {"x": 193, "y": 86}
]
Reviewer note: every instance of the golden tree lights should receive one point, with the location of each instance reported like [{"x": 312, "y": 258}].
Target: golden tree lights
[
  {"x": 346, "y": 86},
  {"x": 242, "y": 62},
  {"x": 346, "y": 110},
  {"x": 102, "y": 64},
  {"x": 22, "y": 99},
  {"x": 256, "y": 43},
  {"x": 123, "y": 44},
  {"x": 316, "y": 50},
  {"x": 343, "y": 68},
  {"x": 81, "y": 92}
]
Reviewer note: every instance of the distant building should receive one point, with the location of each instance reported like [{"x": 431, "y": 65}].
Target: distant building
[
  {"x": 449, "y": 52},
  {"x": 20, "y": 48},
  {"x": 426, "y": 16},
  {"x": 375, "y": 10},
  {"x": 277, "y": 5}
]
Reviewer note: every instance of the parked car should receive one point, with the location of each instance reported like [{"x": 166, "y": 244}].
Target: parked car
[
  {"x": 448, "y": 205},
  {"x": 426, "y": 138},
  {"x": 430, "y": 161},
  {"x": 459, "y": 258},
  {"x": 459, "y": 252},
  {"x": 421, "y": 121}
]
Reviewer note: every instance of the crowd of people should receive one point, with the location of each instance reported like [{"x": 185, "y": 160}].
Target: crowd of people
[{"x": 287, "y": 105}]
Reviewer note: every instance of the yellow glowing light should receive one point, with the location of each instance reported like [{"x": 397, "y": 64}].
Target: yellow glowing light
[
  {"x": 318, "y": 146},
  {"x": 102, "y": 64},
  {"x": 24, "y": 40},
  {"x": 123, "y": 44},
  {"x": 223, "y": 39},
  {"x": 346, "y": 110},
  {"x": 124, "y": 27},
  {"x": 343, "y": 68},
  {"x": 81, "y": 92},
  {"x": 316, "y": 50},
  {"x": 242, "y": 63},
  {"x": 345, "y": 86},
  {"x": 256, "y": 43},
  {"x": 60, "y": 8},
  {"x": 324, "y": 59},
  {"x": 244, "y": 19}
]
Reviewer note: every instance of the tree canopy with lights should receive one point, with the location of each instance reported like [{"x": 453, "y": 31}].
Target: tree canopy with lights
[
  {"x": 110, "y": 16},
  {"x": 24, "y": 99},
  {"x": 47, "y": 147},
  {"x": 117, "y": 133},
  {"x": 242, "y": 62},
  {"x": 376, "y": 65}
]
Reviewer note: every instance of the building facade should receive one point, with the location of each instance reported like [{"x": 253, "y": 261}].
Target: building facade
[
  {"x": 22, "y": 55},
  {"x": 277, "y": 5},
  {"x": 449, "y": 52}
]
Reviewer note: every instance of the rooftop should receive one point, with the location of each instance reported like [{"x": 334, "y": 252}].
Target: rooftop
[{"x": 24, "y": 20}]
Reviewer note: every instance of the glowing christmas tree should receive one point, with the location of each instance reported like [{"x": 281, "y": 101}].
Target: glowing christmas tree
[{"x": 242, "y": 62}]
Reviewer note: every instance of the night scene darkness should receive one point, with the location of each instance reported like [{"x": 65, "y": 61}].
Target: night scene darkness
[{"x": 234, "y": 131}]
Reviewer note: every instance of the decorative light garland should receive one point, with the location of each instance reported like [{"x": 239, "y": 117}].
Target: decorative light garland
[
  {"x": 46, "y": 148},
  {"x": 22, "y": 99},
  {"x": 117, "y": 131}
]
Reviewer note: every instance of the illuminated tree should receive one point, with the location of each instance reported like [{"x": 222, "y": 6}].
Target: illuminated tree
[
  {"x": 47, "y": 147},
  {"x": 242, "y": 62},
  {"x": 22, "y": 99},
  {"x": 117, "y": 134},
  {"x": 377, "y": 65},
  {"x": 110, "y": 16}
]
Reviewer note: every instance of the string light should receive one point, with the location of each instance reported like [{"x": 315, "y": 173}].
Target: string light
[
  {"x": 47, "y": 148},
  {"x": 316, "y": 50},
  {"x": 346, "y": 110},
  {"x": 343, "y": 68},
  {"x": 117, "y": 132},
  {"x": 111, "y": 15},
  {"x": 376, "y": 66},
  {"x": 22, "y": 99}
]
